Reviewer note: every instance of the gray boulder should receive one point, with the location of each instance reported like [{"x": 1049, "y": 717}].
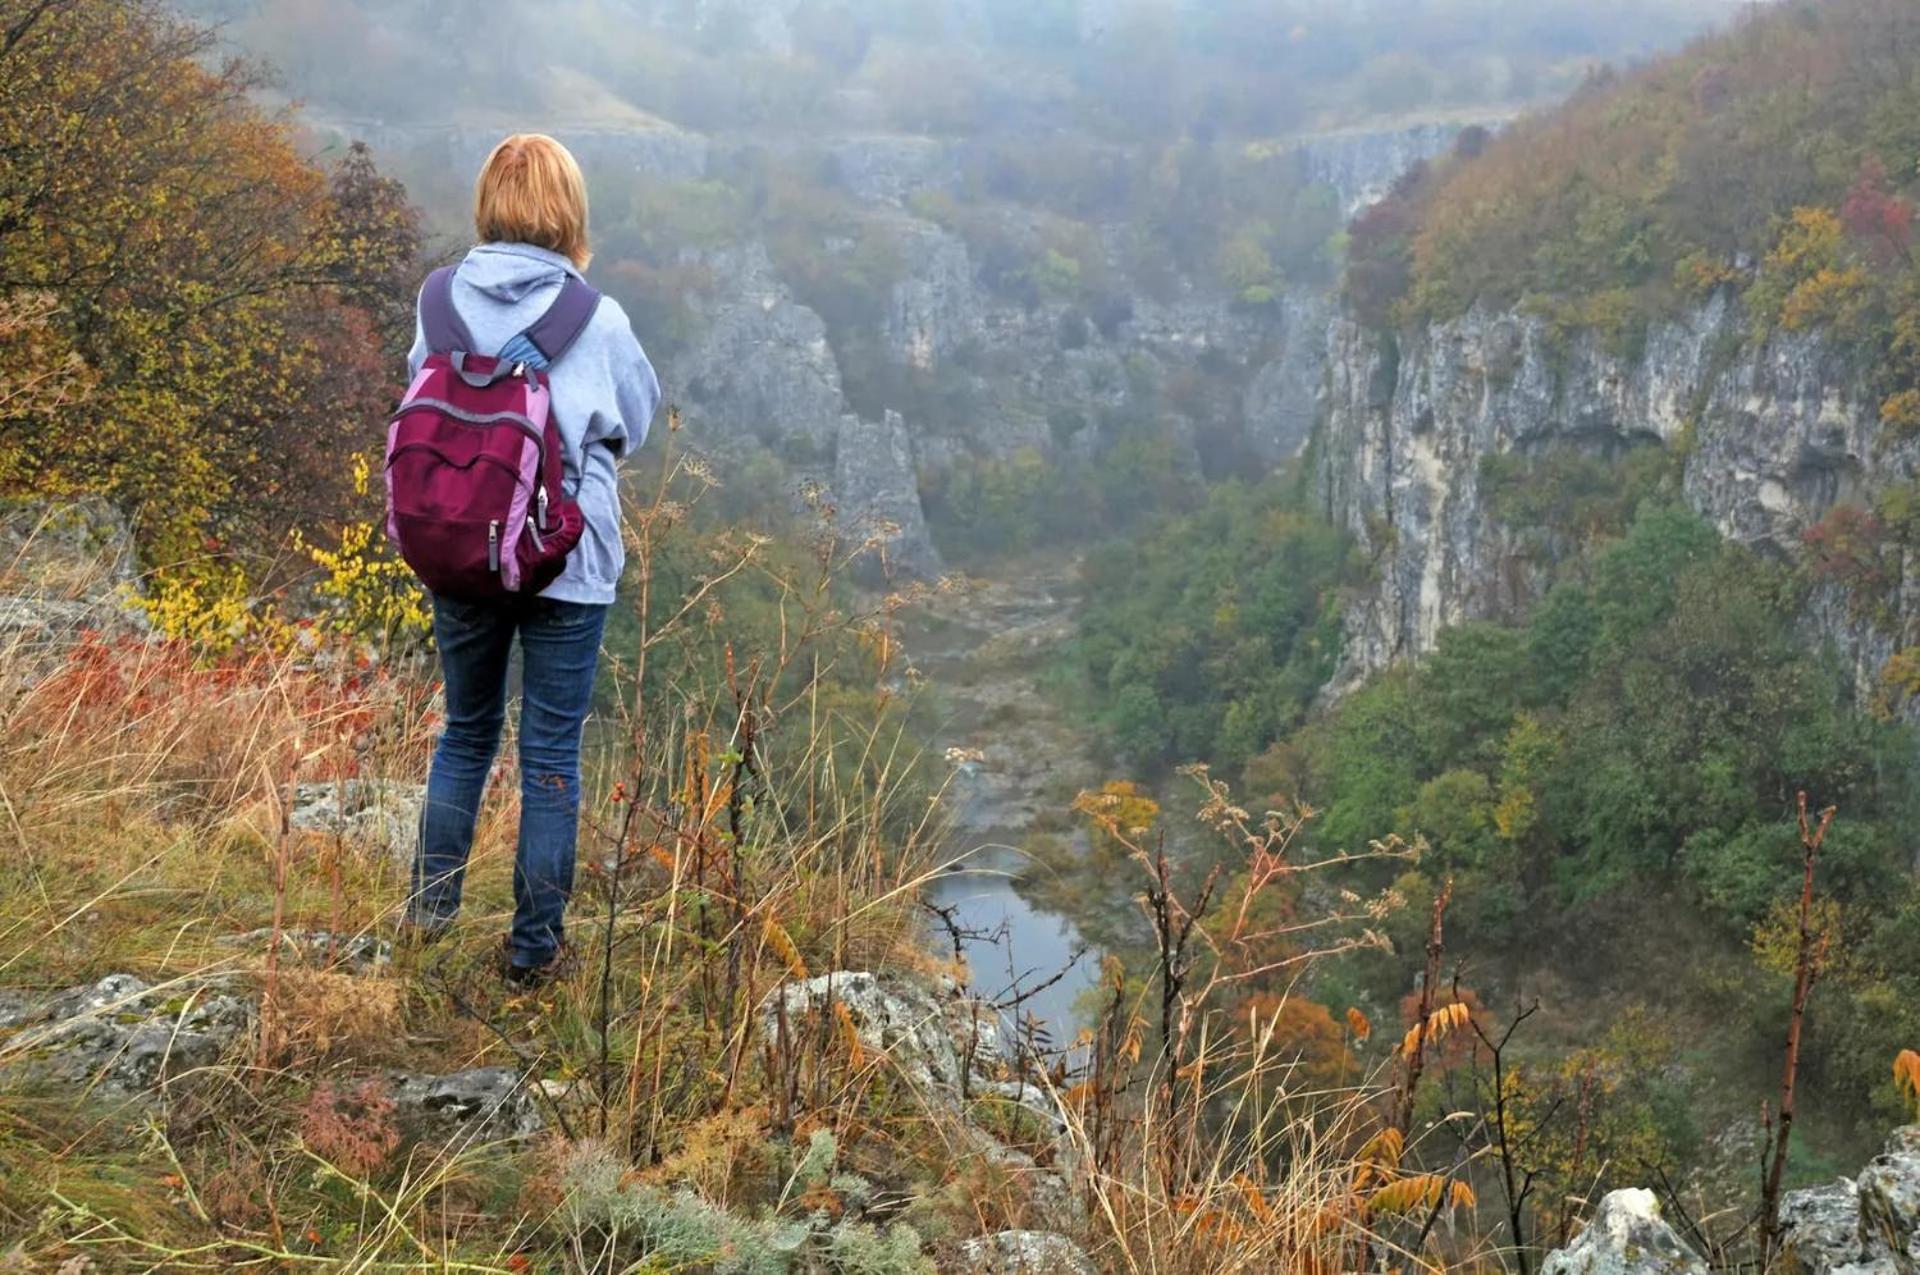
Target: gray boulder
[
  {"x": 484, "y": 1104},
  {"x": 933, "y": 1042},
  {"x": 892, "y": 1018},
  {"x": 121, "y": 1037},
  {"x": 1627, "y": 1236},
  {"x": 1820, "y": 1228},
  {"x": 381, "y": 814},
  {"x": 1890, "y": 1202},
  {"x": 1870, "y": 1226}
]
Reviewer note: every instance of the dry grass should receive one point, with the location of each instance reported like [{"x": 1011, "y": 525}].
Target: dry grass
[{"x": 756, "y": 812}]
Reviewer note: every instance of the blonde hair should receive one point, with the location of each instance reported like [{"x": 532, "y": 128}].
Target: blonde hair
[{"x": 531, "y": 190}]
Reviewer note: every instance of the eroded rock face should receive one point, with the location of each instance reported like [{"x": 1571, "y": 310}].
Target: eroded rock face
[
  {"x": 66, "y": 569},
  {"x": 122, "y": 1037},
  {"x": 1024, "y": 1253},
  {"x": 1362, "y": 164},
  {"x": 1775, "y": 432},
  {"x": 1869, "y": 1226},
  {"x": 873, "y": 481},
  {"x": 1627, "y": 1236},
  {"x": 762, "y": 368}
]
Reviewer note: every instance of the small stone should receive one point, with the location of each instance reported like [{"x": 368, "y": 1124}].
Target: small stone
[
  {"x": 1024, "y": 1253},
  {"x": 317, "y": 947},
  {"x": 485, "y": 1104}
]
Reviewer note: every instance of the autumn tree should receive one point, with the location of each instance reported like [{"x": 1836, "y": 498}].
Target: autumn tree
[{"x": 237, "y": 312}]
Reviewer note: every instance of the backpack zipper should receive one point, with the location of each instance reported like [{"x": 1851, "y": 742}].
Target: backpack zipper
[
  {"x": 493, "y": 546},
  {"x": 540, "y": 505}
]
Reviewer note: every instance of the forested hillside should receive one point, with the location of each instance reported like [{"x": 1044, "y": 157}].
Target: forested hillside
[{"x": 1617, "y": 426}]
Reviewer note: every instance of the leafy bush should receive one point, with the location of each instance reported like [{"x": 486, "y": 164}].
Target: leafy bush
[{"x": 1206, "y": 636}]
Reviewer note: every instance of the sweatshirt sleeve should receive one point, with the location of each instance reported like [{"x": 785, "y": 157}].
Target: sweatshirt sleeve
[{"x": 636, "y": 390}]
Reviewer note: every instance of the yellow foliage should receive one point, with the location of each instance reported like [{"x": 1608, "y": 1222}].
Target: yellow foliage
[
  {"x": 1124, "y": 809},
  {"x": 1421, "y": 1192},
  {"x": 1901, "y": 412},
  {"x": 1828, "y": 296},
  {"x": 1359, "y": 1024},
  {"x": 1447, "y": 1018},
  {"x": 1700, "y": 273},
  {"x": 1906, "y": 1076},
  {"x": 374, "y": 594},
  {"x": 208, "y": 604},
  {"x": 782, "y": 943}
]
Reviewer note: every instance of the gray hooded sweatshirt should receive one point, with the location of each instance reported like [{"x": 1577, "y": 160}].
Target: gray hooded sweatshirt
[{"x": 604, "y": 393}]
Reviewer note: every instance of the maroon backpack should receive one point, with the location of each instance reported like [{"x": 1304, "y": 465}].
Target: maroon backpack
[{"x": 475, "y": 501}]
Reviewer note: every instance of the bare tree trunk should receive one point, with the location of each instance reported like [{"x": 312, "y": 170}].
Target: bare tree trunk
[
  {"x": 1416, "y": 1056},
  {"x": 1810, "y": 954}
]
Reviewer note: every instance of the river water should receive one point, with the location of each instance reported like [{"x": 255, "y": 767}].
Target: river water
[{"x": 983, "y": 652}]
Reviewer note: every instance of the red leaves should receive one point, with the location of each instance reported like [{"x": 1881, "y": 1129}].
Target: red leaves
[{"x": 1879, "y": 218}]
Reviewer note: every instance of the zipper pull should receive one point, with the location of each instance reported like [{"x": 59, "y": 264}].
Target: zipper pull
[
  {"x": 493, "y": 546},
  {"x": 540, "y": 504}
]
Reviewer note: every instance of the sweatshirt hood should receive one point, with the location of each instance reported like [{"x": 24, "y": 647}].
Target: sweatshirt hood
[{"x": 508, "y": 272}]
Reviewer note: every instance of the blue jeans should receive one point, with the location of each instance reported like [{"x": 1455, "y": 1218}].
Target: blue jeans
[{"x": 560, "y": 649}]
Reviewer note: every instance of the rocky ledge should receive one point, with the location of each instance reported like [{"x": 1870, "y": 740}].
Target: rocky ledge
[
  {"x": 951, "y": 1051},
  {"x": 1869, "y": 1225},
  {"x": 126, "y": 1041}
]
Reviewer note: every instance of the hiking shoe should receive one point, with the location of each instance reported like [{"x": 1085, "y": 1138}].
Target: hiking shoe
[{"x": 533, "y": 978}]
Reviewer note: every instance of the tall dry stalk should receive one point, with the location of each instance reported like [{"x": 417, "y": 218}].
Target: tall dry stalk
[{"x": 1810, "y": 955}]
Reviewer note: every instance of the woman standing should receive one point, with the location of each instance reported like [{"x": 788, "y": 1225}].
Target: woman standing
[{"x": 530, "y": 212}]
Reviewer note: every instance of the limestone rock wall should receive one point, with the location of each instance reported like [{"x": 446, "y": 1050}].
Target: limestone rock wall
[{"x": 1774, "y": 432}]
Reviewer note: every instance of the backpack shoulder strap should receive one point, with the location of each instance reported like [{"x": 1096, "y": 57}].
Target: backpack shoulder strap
[
  {"x": 445, "y": 331},
  {"x": 554, "y": 332}
]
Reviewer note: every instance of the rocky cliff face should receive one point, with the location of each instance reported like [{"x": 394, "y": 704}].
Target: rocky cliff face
[
  {"x": 1772, "y": 432},
  {"x": 1363, "y": 163},
  {"x": 761, "y": 371}
]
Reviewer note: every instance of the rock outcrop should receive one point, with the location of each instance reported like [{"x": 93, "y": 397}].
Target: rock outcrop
[
  {"x": 1361, "y": 164},
  {"x": 874, "y": 481},
  {"x": 1024, "y": 1253},
  {"x": 66, "y": 569},
  {"x": 952, "y": 1054},
  {"x": 1772, "y": 433},
  {"x": 121, "y": 1037},
  {"x": 1627, "y": 1236},
  {"x": 379, "y": 814},
  {"x": 1866, "y": 1226},
  {"x": 485, "y": 1104}
]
